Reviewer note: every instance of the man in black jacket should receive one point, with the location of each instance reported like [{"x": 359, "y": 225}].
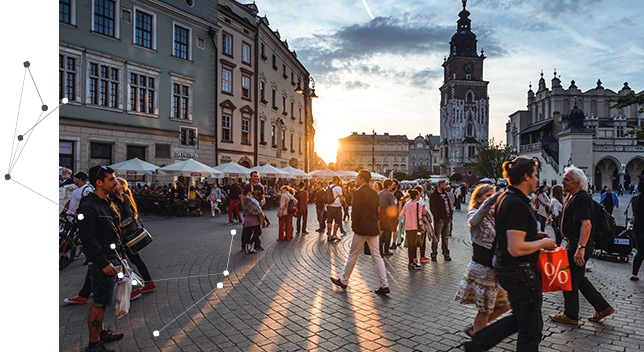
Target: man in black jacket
[
  {"x": 364, "y": 223},
  {"x": 98, "y": 228},
  {"x": 441, "y": 208}
]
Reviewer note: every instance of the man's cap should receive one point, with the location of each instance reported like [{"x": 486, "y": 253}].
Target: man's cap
[{"x": 81, "y": 176}]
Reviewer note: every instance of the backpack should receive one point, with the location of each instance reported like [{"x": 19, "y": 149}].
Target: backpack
[
  {"x": 292, "y": 208},
  {"x": 328, "y": 195},
  {"x": 603, "y": 224}
]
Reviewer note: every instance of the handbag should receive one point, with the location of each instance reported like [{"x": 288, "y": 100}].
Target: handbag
[
  {"x": 137, "y": 239},
  {"x": 555, "y": 270}
]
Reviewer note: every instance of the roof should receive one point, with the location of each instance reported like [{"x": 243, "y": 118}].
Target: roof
[{"x": 537, "y": 127}]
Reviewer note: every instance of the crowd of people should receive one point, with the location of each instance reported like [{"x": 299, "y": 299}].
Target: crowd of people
[{"x": 507, "y": 229}]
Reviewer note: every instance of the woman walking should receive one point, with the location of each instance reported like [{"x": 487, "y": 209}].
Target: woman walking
[
  {"x": 556, "y": 205},
  {"x": 412, "y": 212},
  {"x": 253, "y": 215},
  {"x": 480, "y": 285}
]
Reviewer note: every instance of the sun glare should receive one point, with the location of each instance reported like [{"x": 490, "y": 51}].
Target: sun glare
[{"x": 326, "y": 147}]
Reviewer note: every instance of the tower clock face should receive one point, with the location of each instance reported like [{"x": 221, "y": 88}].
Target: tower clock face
[{"x": 468, "y": 66}]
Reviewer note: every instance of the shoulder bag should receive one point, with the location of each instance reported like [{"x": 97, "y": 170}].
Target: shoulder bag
[{"x": 137, "y": 239}]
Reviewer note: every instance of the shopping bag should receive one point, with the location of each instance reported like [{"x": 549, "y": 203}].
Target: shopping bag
[
  {"x": 555, "y": 270},
  {"x": 122, "y": 296}
]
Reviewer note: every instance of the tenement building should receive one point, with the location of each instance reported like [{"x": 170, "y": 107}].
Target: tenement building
[
  {"x": 379, "y": 153},
  {"x": 464, "y": 107},
  {"x": 565, "y": 126},
  {"x": 170, "y": 80}
]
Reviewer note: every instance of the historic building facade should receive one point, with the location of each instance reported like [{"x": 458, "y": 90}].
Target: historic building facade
[
  {"x": 565, "y": 126},
  {"x": 464, "y": 108},
  {"x": 379, "y": 153},
  {"x": 424, "y": 152},
  {"x": 170, "y": 80}
]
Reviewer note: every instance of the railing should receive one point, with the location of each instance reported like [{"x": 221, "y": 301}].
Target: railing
[
  {"x": 549, "y": 159},
  {"x": 618, "y": 148},
  {"x": 531, "y": 147}
]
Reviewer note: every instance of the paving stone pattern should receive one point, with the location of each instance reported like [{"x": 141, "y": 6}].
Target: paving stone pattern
[{"x": 281, "y": 299}]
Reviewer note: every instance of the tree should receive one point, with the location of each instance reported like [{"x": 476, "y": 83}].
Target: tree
[
  {"x": 628, "y": 100},
  {"x": 489, "y": 159},
  {"x": 456, "y": 177},
  {"x": 421, "y": 172}
]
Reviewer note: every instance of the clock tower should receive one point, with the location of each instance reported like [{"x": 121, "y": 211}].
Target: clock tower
[{"x": 464, "y": 108}]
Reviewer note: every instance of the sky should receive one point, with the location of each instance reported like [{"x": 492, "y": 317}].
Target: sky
[{"x": 377, "y": 63}]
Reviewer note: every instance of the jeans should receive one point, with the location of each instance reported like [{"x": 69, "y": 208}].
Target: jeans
[
  {"x": 443, "y": 230},
  {"x": 233, "y": 210},
  {"x": 523, "y": 284},
  {"x": 321, "y": 217},
  {"x": 102, "y": 285},
  {"x": 301, "y": 221},
  {"x": 581, "y": 284},
  {"x": 385, "y": 241},
  {"x": 357, "y": 245},
  {"x": 542, "y": 222}
]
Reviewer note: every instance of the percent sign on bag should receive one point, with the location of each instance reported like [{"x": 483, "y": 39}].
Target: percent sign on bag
[{"x": 555, "y": 270}]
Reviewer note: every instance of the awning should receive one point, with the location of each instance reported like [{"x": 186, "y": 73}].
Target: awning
[{"x": 537, "y": 127}]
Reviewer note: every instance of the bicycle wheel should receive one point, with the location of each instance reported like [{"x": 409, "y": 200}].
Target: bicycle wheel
[{"x": 67, "y": 250}]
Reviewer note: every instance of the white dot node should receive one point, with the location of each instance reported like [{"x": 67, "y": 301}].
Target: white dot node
[
  {"x": 155, "y": 333},
  {"x": 113, "y": 246},
  {"x": 220, "y": 285},
  {"x": 233, "y": 232},
  {"x": 65, "y": 100},
  {"x": 81, "y": 217},
  {"x": 226, "y": 273},
  {"x": 119, "y": 275},
  {"x": 135, "y": 282}
]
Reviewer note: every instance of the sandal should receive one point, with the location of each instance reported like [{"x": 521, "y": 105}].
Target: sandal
[{"x": 469, "y": 331}]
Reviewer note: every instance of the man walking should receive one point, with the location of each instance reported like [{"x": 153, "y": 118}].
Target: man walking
[
  {"x": 387, "y": 215},
  {"x": 441, "y": 209},
  {"x": 302, "y": 196},
  {"x": 364, "y": 223},
  {"x": 609, "y": 200},
  {"x": 334, "y": 210},
  {"x": 517, "y": 251},
  {"x": 97, "y": 226},
  {"x": 234, "y": 194},
  {"x": 576, "y": 228}
]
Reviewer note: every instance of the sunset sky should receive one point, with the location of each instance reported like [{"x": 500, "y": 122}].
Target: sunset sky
[{"x": 377, "y": 63}]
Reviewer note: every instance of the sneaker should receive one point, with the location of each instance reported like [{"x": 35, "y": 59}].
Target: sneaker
[
  {"x": 76, "y": 300},
  {"x": 634, "y": 278},
  {"x": 424, "y": 260},
  {"x": 382, "y": 290},
  {"x": 135, "y": 294},
  {"x": 100, "y": 347},
  {"x": 148, "y": 287},
  {"x": 388, "y": 253},
  {"x": 259, "y": 248},
  {"x": 448, "y": 258},
  {"x": 603, "y": 314},
  {"x": 305, "y": 233},
  {"x": 334, "y": 238},
  {"x": 414, "y": 266},
  {"x": 433, "y": 258},
  {"x": 229, "y": 222},
  {"x": 108, "y": 336},
  {"x": 562, "y": 318}
]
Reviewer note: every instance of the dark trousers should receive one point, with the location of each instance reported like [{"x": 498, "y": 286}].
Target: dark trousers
[
  {"x": 319, "y": 211},
  {"x": 443, "y": 230},
  {"x": 523, "y": 285},
  {"x": 385, "y": 241},
  {"x": 134, "y": 259},
  {"x": 581, "y": 284},
  {"x": 233, "y": 210},
  {"x": 410, "y": 239},
  {"x": 301, "y": 221}
]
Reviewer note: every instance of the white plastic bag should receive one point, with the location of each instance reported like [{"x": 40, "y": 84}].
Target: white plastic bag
[{"x": 122, "y": 293}]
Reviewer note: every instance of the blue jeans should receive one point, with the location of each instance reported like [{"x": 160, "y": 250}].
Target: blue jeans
[
  {"x": 102, "y": 285},
  {"x": 523, "y": 284}
]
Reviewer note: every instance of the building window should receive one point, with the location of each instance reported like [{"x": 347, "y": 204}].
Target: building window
[
  {"x": 135, "y": 151},
  {"x": 292, "y": 110},
  {"x": 227, "y": 44},
  {"x": 181, "y": 43},
  {"x": 471, "y": 150},
  {"x": 284, "y": 71},
  {"x": 188, "y": 137},
  {"x": 292, "y": 143},
  {"x": 181, "y": 99},
  {"x": 299, "y": 144},
  {"x": 246, "y": 53},
  {"x": 100, "y": 154},
  {"x": 274, "y": 99},
  {"x": 283, "y": 139},
  {"x": 104, "y": 20},
  {"x": 103, "y": 85},
  {"x": 143, "y": 93},
  {"x": 162, "y": 151},
  {"x": 273, "y": 137},
  {"x": 226, "y": 80},
  {"x": 263, "y": 51},
  {"x": 470, "y": 131},
  {"x": 284, "y": 106},
  {"x": 226, "y": 129},
  {"x": 144, "y": 29},
  {"x": 300, "y": 113},
  {"x": 619, "y": 131},
  {"x": 245, "y": 83},
  {"x": 67, "y": 77},
  {"x": 262, "y": 134},
  {"x": 262, "y": 92},
  {"x": 67, "y": 11},
  {"x": 274, "y": 62},
  {"x": 245, "y": 131}
]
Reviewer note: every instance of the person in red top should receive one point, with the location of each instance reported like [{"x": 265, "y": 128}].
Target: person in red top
[{"x": 302, "y": 196}]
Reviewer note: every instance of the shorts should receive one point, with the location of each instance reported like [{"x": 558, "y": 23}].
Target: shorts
[
  {"x": 333, "y": 213},
  {"x": 102, "y": 285}
]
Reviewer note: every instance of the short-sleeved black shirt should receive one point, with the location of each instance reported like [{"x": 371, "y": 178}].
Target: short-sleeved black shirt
[
  {"x": 577, "y": 208},
  {"x": 513, "y": 212}
]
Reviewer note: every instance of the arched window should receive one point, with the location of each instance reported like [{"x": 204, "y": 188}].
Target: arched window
[{"x": 470, "y": 130}]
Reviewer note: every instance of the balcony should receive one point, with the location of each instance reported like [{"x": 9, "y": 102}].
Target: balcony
[{"x": 534, "y": 147}]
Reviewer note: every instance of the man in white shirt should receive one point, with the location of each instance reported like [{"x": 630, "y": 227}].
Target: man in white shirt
[{"x": 83, "y": 188}]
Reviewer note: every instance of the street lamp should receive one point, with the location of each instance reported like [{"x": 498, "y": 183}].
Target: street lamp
[
  {"x": 373, "y": 150},
  {"x": 311, "y": 92}
]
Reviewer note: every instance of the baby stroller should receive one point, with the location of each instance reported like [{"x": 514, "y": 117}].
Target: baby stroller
[{"x": 619, "y": 247}]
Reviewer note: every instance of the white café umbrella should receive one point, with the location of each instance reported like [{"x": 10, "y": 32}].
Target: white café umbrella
[
  {"x": 326, "y": 173},
  {"x": 134, "y": 166},
  {"x": 296, "y": 173},
  {"x": 347, "y": 174},
  {"x": 377, "y": 177},
  {"x": 269, "y": 170},
  {"x": 232, "y": 169},
  {"x": 191, "y": 167}
]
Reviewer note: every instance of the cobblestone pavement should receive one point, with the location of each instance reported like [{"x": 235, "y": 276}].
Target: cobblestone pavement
[{"x": 281, "y": 299}]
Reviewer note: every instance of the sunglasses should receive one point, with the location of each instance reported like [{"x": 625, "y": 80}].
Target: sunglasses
[{"x": 102, "y": 168}]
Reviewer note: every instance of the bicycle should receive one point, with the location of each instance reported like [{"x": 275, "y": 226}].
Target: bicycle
[{"x": 69, "y": 243}]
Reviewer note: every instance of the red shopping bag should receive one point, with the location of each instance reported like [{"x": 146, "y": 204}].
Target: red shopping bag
[{"x": 555, "y": 270}]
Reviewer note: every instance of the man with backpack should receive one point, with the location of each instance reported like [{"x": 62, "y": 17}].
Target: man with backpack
[
  {"x": 576, "y": 227},
  {"x": 333, "y": 199}
]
